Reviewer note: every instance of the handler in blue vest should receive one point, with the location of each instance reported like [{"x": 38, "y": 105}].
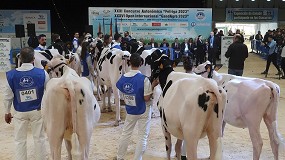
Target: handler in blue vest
[
  {"x": 25, "y": 88},
  {"x": 137, "y": 91}
]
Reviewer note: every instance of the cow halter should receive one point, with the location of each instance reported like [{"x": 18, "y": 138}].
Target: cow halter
[{"x": 53, "y": 68}]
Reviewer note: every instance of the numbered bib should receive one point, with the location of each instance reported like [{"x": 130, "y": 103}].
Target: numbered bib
[
  {"x": 28, "y": 95},
  {"x": 130, "y": 100}
]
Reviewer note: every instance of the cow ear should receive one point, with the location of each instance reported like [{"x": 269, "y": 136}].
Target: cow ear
[{"x": 218, "y": 67}]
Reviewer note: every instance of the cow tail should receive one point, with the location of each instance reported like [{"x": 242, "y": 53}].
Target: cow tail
[
  {"x": 221, "y": 98},
  {"x": 75, "y": 151},
  {"x": 272, "y": 113}
]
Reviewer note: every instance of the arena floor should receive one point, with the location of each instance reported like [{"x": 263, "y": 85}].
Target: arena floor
[{"x": 236, "y": 142}]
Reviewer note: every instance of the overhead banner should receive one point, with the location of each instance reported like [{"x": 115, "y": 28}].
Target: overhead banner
[
  {"x": 251, "y": 14},
  {"x": 5, "y": 47},
  {"x": 10, "y": 18},
  {"x": 157, "y": 23}
]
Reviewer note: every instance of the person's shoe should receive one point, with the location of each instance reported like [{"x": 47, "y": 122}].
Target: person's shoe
[
  {"x": 283, "y": 77},
  {"x": 279, "y": 73},
  {"x": 264, "y": 72}
]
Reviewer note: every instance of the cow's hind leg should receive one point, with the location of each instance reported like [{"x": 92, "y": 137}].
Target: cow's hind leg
[
  {"x": 104, "y": 108},
  {"x": 255, "y": 136},
  {"x": 191, "y": 146},
  {"x": 55, "y": 146},
  {"x": 178, "y": 149},
  {"x": 168, "y": 144},
  {"x": 274, "y": 146},
  {"x": 68, "y": 148},
  {"x": 109, "y": 100}
]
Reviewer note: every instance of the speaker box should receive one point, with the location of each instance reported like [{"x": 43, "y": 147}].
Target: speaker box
[
  {"x": 19, "y": 30},
  {"x": 89, "y": 29},
  {"x": 31, "y": 30}
]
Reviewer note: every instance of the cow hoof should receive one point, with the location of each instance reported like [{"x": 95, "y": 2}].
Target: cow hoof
[
  {"x": 105, "y": 110},
  {"x": 117, "y": 123},
  {"x": 110, "y": 110}
]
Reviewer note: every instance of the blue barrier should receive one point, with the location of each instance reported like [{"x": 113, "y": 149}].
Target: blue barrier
[{"x": 259, "y": 48}]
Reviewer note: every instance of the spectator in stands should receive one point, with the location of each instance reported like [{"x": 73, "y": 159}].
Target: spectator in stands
[
  {"x": 237, "y": 53},
  {"x": 185, "y": 48},
  {"x": 177, "y": 48},
  {"x": 42, "y": 42},
  {"x": 272, "y": 57},
  {"x": 164, "y": 43},
  {"x": 213, "y": 48},
  {"x": 152, "y": 43},
  {"x": 259, "y": 36},
  {"x": 201, "y": 51}
]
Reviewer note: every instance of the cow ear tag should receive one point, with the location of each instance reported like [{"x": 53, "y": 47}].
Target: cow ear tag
[
  {"x": 161, "y": 66},
  {"x": 46, "y": 67}
]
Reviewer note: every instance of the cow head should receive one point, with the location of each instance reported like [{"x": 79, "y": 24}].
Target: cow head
[
  {"x": 56, "y": 66},
  {"x": 161, "y": 66},
  {"x": 206, "y": 69}
]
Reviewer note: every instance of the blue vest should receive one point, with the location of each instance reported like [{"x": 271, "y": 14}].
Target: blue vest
[
  {"x": 84, "y": 64},
  {"x": 133, "y": 90},
  {"x": 28, "y": 88},
  {"x": 38, "y": 48},
  {"x": 117, "y": 46}
]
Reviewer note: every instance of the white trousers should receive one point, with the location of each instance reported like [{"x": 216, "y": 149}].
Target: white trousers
[
  {"x": 143, "y": 132},
  {"x": 21, "y": 121}
]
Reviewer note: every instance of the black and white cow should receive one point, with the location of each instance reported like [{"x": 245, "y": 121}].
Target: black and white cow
[
  {"x": 110, "y": 66},
  {"x": 249, "y": 100},
  {"x": 190, "y": 108}
]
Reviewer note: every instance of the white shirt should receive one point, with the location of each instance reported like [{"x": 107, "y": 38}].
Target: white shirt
[
  {"x": 42, "y": 47},
  {"x": 8, "y": 93},
  {"x": 186, "y": 47},
  {"x": 147, "y": 84}
]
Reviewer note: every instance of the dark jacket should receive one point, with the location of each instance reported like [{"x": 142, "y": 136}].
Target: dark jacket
[
  {"x": 201, "y": 48},
  {"x": 155, "y": 44},
  {"x": 176, "y": 48},
  {"x": 237, "y": 53},
  {"x": 215, "y": 43},
  {"x": 167, "y": 44}
]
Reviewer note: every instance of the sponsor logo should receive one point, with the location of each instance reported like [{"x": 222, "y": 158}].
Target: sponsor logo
[
  {"x": 30, "y": 17},
  {"x": 144, "y": 24},
  {"x": 26, "y": 81},
  {"x": 41, "y": 16},
  {"x": 200, "y": 16},
  {"x": 106, "y": 11},
  {"x": 41, "y": 22},
  {"x": 156, "y": 24},
  {"x": 96, "y": 13},
  {"x": 128, "y": 88},
  {"x": 193, "y": 24}
]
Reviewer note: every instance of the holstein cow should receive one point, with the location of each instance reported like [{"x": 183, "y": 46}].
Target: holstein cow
[
  {"x": 110, "y": 67},
  {"x": 69, "y": 111},
  {"x": 190, "y": 108},
  {"x": 145, "y": 69},
  {"x": 248, "y": 101},
  {"x": 43, "y": 57}
]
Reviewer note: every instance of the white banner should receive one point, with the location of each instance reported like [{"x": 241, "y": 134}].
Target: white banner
[
  {"x": 226, "y": 42},
  {"x": 5, "y": 47}
]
